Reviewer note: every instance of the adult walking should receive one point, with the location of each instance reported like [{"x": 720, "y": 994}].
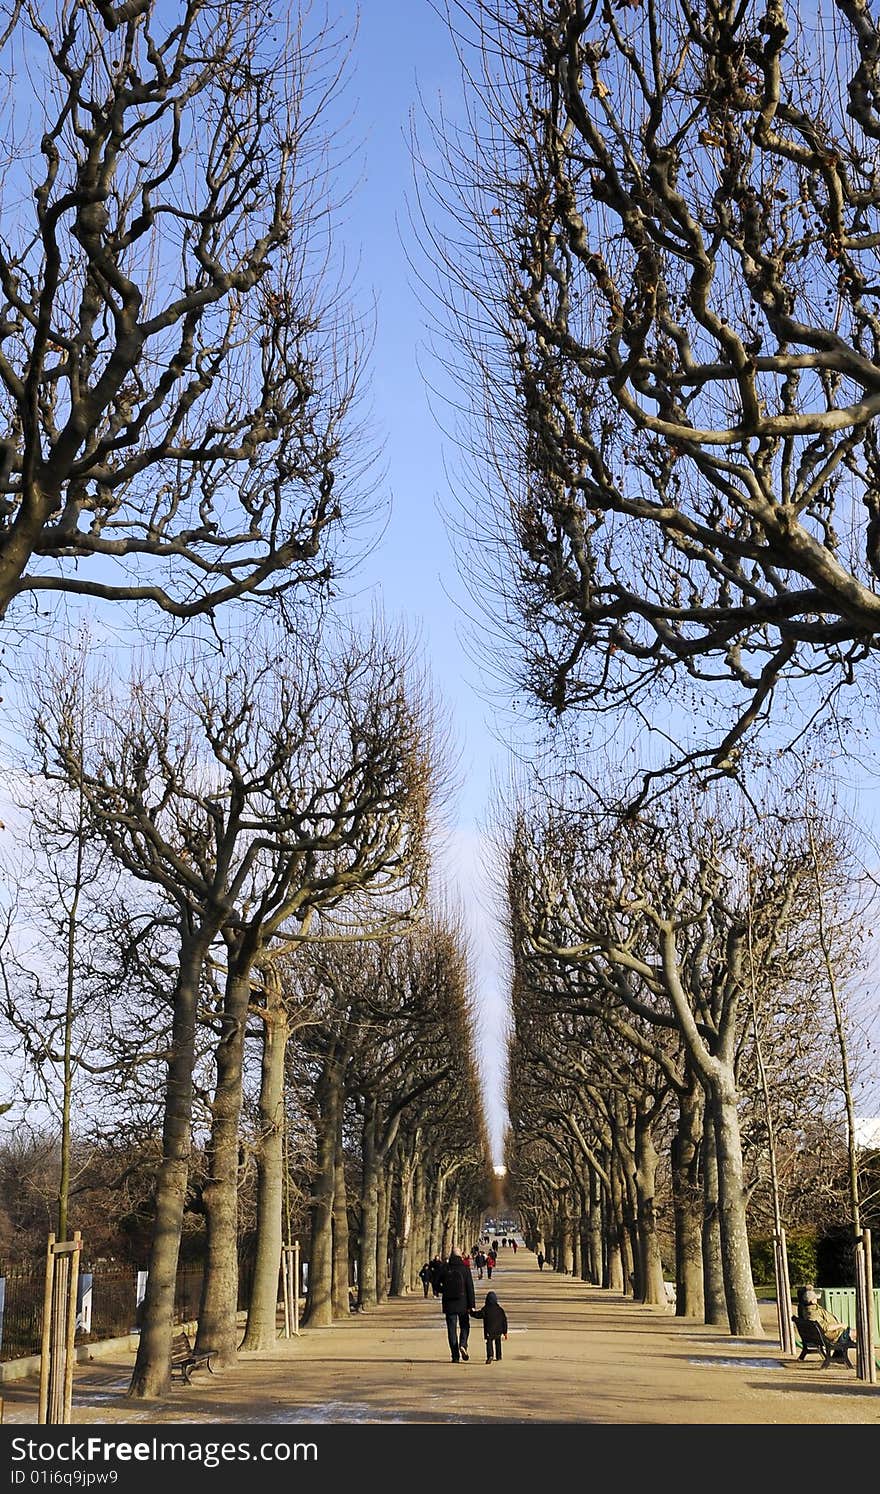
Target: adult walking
[
  {"x": 457, "y": 1300},
  {"x": 540, "y": 1260},
  {"x": 436, "y": 1268}
]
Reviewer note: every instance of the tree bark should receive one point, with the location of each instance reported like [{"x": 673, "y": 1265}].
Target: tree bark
[
  {"x": 261, "y": 1331},
  {"x": 651, "y": 1266},
  {"x": 405, "y": 1230},
  {"x": 436, "y": 1241},
  {"x": 624, "y": 1142},
  {"x": 715, "y": 1305},
  {"x": 597, "y": 1273},
  {"x": 218, "y": 1310},
  {"x": 151, "y": 1376},
  {"x": 687, "y": 1205},
  {"x": 384, "y": 1217},
  {"x": 417, "y": 1236},
  {"x": 739, "y": 1290},
  {"x": 319, "y": 1305},
  {"x": 367, "y": 1294},
  {"x": 341, "y": 1300},
  {"x": 620, "y": 1265}
]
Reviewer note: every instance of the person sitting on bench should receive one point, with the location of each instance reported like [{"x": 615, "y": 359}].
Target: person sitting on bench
[{"x": 811, "y": 1310}]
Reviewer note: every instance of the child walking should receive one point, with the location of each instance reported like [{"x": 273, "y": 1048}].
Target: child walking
[{"x": 494, "y": 1324}]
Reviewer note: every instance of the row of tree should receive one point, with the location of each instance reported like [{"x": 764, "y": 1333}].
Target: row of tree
[
  {"x": 654, "y": 244},
  {"x": 676, "y": 983},
  {"x": 179, "y": 371},
  {"x": 244, "y": 853}
]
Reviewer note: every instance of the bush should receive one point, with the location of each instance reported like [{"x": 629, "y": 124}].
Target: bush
[
  {"x": 761, "y": 1254},
  {"x": 802, "y": 1259}
]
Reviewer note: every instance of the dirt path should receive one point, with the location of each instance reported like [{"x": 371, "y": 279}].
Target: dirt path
[{"x": 575, "y": 1354}]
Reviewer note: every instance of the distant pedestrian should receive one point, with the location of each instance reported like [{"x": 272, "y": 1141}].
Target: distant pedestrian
[
  {"x": 490, "y": 1263},
  {"x": 494, "y": 1325},
  {"x": 436, "y": 1269},
  {"x": 425, "y": 1276},
  {"x": 457, "y": 1288},
  {"x": 540, "y": 1260},
  {"x": 513, "y": 1243}
]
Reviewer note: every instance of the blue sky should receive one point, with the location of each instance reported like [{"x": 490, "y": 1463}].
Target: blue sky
[{"x": 403, "y": 54}]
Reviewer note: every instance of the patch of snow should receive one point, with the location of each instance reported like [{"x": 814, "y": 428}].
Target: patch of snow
[{"x": 739, "y": 1363}]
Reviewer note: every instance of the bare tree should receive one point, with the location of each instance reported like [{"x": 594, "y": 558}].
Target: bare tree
[
  {"x": 660, "y": 272},
  {"x": 279, "y": 789},
  {"x": 676, "y": 925},
  {"x": 177, "y": 373},
  {"x": 341, "y": 811},
  {"x": 392, "y": 1032}
]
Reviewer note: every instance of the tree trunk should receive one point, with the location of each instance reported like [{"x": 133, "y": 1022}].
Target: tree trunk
[
  {"x": 650, "y": 1264},
  {"x": 261, "y": 1330},
  {"x": 403, "y": 1218},
  {"x": 383, "y": 1232},
  {"x": 20, "y": 542},
  {"x": 341, "y": 1300},
  {"x": 715, "y": 1309},
  {"x": 687, "y": 1204},
  {"x": 624, "y": 1145},
  {"x": 620, "y": 1264},
  {"x": 151, "y": 1376},
  {"x": 451, "y": 1229},
  {"x": 367, "y": 1295},
  {"x": 739, "y": 1290},
  {"x": 585, "y": 1245},
  {"x": 319, "y": 1304},
  {"x": 595, "y": 1227},
  {"x": 417, "y": 1236},
  {"x": 218, "y": 1327},
  {"x": 435, "y": 1244}
]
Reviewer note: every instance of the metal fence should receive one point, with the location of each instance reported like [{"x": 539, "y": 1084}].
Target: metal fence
[{"x": 109, "y": 1302}]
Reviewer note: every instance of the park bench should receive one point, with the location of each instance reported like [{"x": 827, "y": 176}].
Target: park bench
[
  {"x": 184, "y": 1358},
  {"x": 813, "y": 1340}
]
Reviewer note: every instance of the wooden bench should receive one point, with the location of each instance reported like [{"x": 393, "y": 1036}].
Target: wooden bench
[
  {"x": 184, "y": 1358},
  {"x": 813, "y": 1340}
]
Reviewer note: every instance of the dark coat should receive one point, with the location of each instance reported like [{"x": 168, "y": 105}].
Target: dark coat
[
  {"x": 493, "y": 1315},
  {"x": 457, "y": 1286}
]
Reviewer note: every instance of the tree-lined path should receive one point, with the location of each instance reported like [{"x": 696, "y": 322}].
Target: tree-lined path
[{"x": 574, "y": 1354}]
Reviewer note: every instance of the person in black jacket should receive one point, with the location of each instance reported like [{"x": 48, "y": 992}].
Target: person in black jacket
[
  {"x": 457, "y": 1300},
  {"x": 494, "y": 1324},
  {"x": 436, "y": 1268}
]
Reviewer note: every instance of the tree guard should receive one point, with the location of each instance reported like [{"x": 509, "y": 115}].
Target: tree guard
[{"x": 59, "y": 1327}]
